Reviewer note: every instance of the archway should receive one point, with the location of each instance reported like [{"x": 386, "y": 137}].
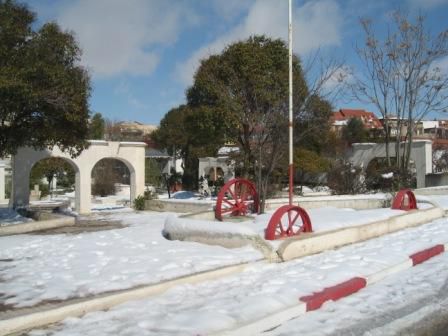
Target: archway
[
  {"x": 111, "y": 182},
  {"x": 132, "y": 154},
  {"x": 52, "y": 177}
]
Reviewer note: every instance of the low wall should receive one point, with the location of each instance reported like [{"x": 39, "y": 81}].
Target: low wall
[
  {"x": 177, "y": 206},
  {"x": 45, "y": 221},
  {"x": 443, "y": 190},
  {"x": 307, "y": 244},
  {"x": 351, "y": 202},
  {"x": 434, "y": 180},
  {"x": 348, "y": 201}
]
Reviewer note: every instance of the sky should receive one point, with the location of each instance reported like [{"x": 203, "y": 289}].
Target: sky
[{"x": 142, "y": 54}]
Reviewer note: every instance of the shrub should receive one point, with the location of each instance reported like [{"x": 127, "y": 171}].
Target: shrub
[
  {"x": 139, "y": 203},
  {"x": 388, "y": 179},
  {"x": 345, "y": 178},
  {"x": 103, "y": 188}
]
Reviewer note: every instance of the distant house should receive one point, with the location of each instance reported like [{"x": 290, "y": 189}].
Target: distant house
[
  {"x": 134, "y": 130},
  {"x": 370, "y": 121}
]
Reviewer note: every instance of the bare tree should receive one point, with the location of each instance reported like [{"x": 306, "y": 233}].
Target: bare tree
[{"x": 401, "y": 77}]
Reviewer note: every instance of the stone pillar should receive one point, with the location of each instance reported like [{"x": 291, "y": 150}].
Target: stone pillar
[
  {"x": 83, "y": 190},
  {"x": 21, "y": 179},
  {"x": 2, "y": 181}
]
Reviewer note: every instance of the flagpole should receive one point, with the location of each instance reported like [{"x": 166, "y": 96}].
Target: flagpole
[{"x": 290, "y": 124}]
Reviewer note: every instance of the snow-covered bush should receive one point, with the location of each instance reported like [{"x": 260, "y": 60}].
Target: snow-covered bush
[{"x": 345, "y": 178}]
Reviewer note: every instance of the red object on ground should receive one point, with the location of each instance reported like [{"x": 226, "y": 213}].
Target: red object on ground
[
  {"x": 237, "y": 197},
  {"x": 288, "y": 221},
  {"x": 422, "y": 256},
  {"x": 404, "y": 200},
  {"x": 316, "y": 300}
]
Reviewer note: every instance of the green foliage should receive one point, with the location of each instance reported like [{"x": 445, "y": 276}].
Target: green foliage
[
  {"x": 153, "y": 174},
  {"x": 190, "y": 133},
  {"x": 139, "y": 203},
  {"x": 310, "y": 162},
  {"x": 43, "y": 90},
  {"x": 97, "y": 127},
  {"x": 50, "y": 168},
  {"x": 379, "y": 177},
  {"x": 345, "y": 178},
  {"x": 354, "y": 131},
  {"x": 248, "y": 84},
  {"x": 312, "y": 125}
]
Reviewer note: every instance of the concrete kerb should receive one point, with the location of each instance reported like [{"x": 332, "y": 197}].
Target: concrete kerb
[
  {"x": 42, "y": 318},
  {"x": 307, "y": 244},
  {"x": 332, "y": 293},
  {"x": 56, "y": 222},
  {"x": 317, "y": 242}
]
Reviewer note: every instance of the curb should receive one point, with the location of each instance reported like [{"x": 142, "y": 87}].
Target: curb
[
  {"x": 59, "y": 221},
  {"x": 45, "y": 317},
  {"x": 316, "y": 300}
]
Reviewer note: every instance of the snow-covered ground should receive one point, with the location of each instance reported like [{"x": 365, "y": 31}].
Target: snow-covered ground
[
  {"x": 51, "y": 267},
  {"x": 264, "y": 289},
  {"x": 78, "y": 265}
]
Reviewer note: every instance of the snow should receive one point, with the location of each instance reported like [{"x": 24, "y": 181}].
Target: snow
[
  {"x": 77, "y": 265},
  {"x": 11, "y": 217},
  {"x": 387, "y": 175},
  {"x": 264, "y": 289},
  {"x": 322, "y": 219}
]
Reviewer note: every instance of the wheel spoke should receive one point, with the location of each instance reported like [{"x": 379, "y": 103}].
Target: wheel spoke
[
  {"x": 228, "y": 202},
  {"x": 231, "y": 193},
  {"x": 226, "y": 210}
]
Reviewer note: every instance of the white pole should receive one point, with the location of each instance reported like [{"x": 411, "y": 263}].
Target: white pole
[{"x": 291, "y": 164}]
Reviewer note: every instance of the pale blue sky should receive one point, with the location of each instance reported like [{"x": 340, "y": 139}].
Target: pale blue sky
[{"x": 142, "y": 54}]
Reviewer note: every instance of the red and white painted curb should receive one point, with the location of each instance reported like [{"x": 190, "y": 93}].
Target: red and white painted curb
[{"x": 334, "y": 293}]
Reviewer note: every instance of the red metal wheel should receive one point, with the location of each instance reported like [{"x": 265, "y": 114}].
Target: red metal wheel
[
  {"x": 237, "y": 197},
  {"x": 404, "y": 200},
  {"x": 288, "y": 221}
]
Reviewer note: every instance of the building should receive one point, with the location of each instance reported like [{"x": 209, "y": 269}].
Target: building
[
  {"x": 370, "y": 121},
  {"x": 134, "y": 130}
]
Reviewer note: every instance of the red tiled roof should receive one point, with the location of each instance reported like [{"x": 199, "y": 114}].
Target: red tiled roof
[{"x": 368, "y": 118}]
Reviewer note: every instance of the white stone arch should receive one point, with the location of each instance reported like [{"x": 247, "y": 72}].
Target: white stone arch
[
  {"x": 131, "y": 153},
  {"x": 421, "y": 153},
  {"x": 132, "y": 173}
]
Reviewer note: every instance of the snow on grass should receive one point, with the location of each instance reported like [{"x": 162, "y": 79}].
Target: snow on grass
[
  {"x": 52, "y": 267},
  {"x": 264, "y": 289},
  {"x": 322, "y": 219}
]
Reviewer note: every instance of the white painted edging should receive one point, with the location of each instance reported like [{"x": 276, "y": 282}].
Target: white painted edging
[
  {"x": 317, "y": 242},
  {"x": 37, "y": 226},
  {"x": 42, "y": 318}
]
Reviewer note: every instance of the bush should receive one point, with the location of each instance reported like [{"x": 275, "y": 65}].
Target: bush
[
  {"x": 44, "y": 190},
  {"x": 379, "y": 177},
  {"x": 103, "y": 188},
  {"x": 345, "y": 178},
  {"x": 139, "y": 203}
]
